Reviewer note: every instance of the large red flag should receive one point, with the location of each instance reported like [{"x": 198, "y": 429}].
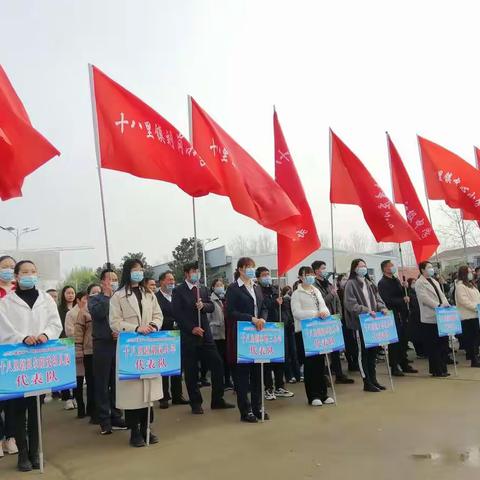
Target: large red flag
[
  {"x": 135, "y": 139},
  {"x": 404, "y": 192},
  {"x": 252, "y": 191},
  {"x": 450, "y": 178},
  {"x": 467, "y": 215},
  {"x": 352, "y": 184},
  {"x": 292, "y": 251},
  {"x": 22, "y": 148}
]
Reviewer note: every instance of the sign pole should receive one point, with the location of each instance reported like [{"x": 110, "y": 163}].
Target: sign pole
[
  {"x": 453, "y": 354},
  {"x": 262, "y": 390},
  {"x": 40, "y": 440},
  {"x": 385, "y": 349},
  {"x": 331, "y": 379}
]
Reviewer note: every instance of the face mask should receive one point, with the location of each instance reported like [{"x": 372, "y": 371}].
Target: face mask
[
  {"x": 170, "y": 287},
  {"x": 362, "y": 271},
  {"x": 219, "y": 291},
  {"x": 266, "y": 281},
  {"x": 6, "y": 274},
  {"x": 309, "y": 279},
  {"x": 93, "y": 294},
  {"x": 250, "y": 272},
  {"x": 430, "y": 272},
  {"x": 394, "y": 270},
  {"x": 136, "y": 276},
  {"x": 194, "y": 277},
  {"x": 324, "y": 274},
  {"x": 28, "y": 281},
  {"x": 470, "y": 276},
  {"x": 114, "y": 286}
]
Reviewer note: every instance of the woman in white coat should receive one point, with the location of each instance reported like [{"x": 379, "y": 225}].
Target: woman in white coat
[
  {"x": 134, "y": 309},
  {"x": 307, "y": 302},
  {"x": 28, "y": 316},
  {"x": 467, "y": 297}
]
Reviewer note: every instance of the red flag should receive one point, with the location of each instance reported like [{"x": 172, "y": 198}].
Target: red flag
[
  {"x": 22, "y": 148},
  {"x": 251, "y": 190},
  {"x": 135, "y": 139},
  {"x": 352, "y": 184},
  {"x": 404, "y": 192},
  {"x": 448, "y": 177},
  {"x": 467, "y": 215},
  {"x": 292, "y": 251}
]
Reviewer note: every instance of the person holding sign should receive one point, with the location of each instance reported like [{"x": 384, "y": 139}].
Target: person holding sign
[
  {"x": 430, "y": 296},
  {"x": 467, "y": 299},
  {"x": 361, "y": 296},
  {"x": 134, "y": 309},
  {"x": 245, "y": 304},
  {"x": 28, "y": 316},
  {"x": 307, "y": 302}
]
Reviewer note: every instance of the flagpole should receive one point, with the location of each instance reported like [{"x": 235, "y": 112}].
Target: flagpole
[
  {"x": 99, "y": 165},
  {"x": 334, "y": 266}
]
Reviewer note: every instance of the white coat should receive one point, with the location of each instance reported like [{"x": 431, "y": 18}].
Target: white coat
[
  {"x": 428, "y": 299},
  {"x": 18, "y": 320},
  {"x": 125, "y": 317},
  {"x": 466, "y": 300},
  {"x": 304, "y": 306}
]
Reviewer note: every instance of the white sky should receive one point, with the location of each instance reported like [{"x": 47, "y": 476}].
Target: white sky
[{"x": 362, "y": 67}]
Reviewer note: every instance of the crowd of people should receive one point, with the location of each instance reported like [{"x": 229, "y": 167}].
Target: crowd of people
[{"x": 207, "y": 318}]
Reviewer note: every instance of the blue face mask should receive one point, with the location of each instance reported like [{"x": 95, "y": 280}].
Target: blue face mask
[
  {"x": 250, "y": 272},
  {"x": 430, "y": 272},
  {"x": 325, "y": 274},
  {"x": 219, "y": 291},
  {"x": 170, "y": 287},
  {"x": 6, "y": 274},
  {"x": 266, "y": 281},
  {"x": 362, "y": 271},
  {"x": 394, "y": 270},
  {"x": 194, "y": 277},
  {"x": 28, "y": 281},
  {"x": 309, "y": 279},
  {"x": 114, "y": 286},
  {"x": 136, "y": 276}
]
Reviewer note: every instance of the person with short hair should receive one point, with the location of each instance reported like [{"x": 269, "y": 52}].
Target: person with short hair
[
  {"x": 430, "y": 296},
  {"x": 191, "y": 303},
  {"x": 292, "y": 367},
  {"x": 151, "y": 284},
  {"x": 28, "y": 316},
  {"x": 53, "y": 293},
  {"x": 467, "y": 298}
]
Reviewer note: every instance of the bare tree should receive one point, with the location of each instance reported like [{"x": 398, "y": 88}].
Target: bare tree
[
  {"x": 455, "y": 231},
  {"x": 239, "y": 246},
  {"x": 263, "y": 243},
  {"x": 358, "y": 243}
]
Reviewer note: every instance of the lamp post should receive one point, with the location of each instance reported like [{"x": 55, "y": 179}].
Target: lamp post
[
  {"x": 206, "y": 242},
  {"x": 19, "y": 232}
]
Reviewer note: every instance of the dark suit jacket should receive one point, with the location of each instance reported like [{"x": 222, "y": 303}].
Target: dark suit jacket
[
  {"x": 167, "y": 310},
  {"x": 186, "y": 316},
  {"x": 241, "y": 308}
]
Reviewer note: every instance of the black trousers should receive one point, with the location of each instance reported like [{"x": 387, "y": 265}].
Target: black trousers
[
  {"x": 397, "y": 352},
  {"x": 247, "y": 378},
  {"x": 471, "y": 337},
  {"x": 292, "y": 368},
  {"x": 351, "y": 347},
  {"x": 66, "y": 395},
  {"x": 172, "y": 387},
  {"x": 436, "y": 348},
  {"x": 104, "y": 352},
  {"x": 90, "y": 410},
  {"x": 7, "y": 422},
  {"x": 278, "y": 371},
  {"x": 336, "y": 364},
  {"x": 138, "y": 418},
  {"x": 313, "y": 372},
  {"x": 191, "y": 355},
  {"x": 367, "y": 358},
  {"x": 222, "y": 351},
  {"x": 26, "y": 424}
]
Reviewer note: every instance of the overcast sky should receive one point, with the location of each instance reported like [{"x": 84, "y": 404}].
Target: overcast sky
[{"x": 361, "y": 67}]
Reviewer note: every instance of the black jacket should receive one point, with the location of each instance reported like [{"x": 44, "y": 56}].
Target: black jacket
[
  {"x": 332, "y": 300},
  {"x": 99, "y": 309},
  {"x": 270, "y": 295},
  {"x": 392, "y": 293},
  {"x": 185, "y": 313},
  {"x": 167, "y": 310}
]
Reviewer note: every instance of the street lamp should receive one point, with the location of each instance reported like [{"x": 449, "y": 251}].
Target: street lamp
[
  {"x": 18, "y": 232},
  {"x": 206, "y": 242}
]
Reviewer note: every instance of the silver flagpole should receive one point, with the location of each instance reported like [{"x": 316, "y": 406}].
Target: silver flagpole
[
  {"x": 385, "y": 348},
  {"x": 334, "y": 266},
  {"x": 40, "y": 439},
  {"x": 263, "y": 393},
  {"x": 331, "y": 379},
  {"x": 99, "y": 163}
]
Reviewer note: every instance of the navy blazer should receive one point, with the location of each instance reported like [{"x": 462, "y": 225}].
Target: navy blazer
[
  {"x": 167, "y": 310},
  {"x": 185, "y": 313}
]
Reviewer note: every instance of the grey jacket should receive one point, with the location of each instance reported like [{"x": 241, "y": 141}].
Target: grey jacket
[
  {"x": 355, "y": 302},
  {"x": 217, "y": 319}
]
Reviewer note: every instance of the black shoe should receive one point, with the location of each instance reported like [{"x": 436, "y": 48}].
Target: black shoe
[
  {"x": 440, "y": 375},
  {"x": 223, "y": 405},
  {"x": 163, "y": 404},
  {"x": 106, "y": 430},
  {"x": 343, "y": 379},
  {"x": 369, "y": 387},
  {"x": 119, "y": 424},
  {"x": 396, "y": 372},
  {"x": 228, "y": 386},
  {"x": 94, "y": 421},
  {"x": 35, "y": 460},
  {"x": 136, "y": 437},
  {"x": 409, "y": 369},
  {"x": 380, "y": 387},
  {"x": 24, "y": 464},
  {"x": 81, "y": 415},
  {"x": 249, "y": 418},
  {"x": 180, "y": 401},
  {"x": 266, "y": 416},
  {"x": 153, "y": 437},
  {"x": 197, "y": 410},
  {"x": 450, "y": 361}
]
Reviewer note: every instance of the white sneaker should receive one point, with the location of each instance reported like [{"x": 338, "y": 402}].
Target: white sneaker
[
  {"x": 329, "y": 401},
  {"x": 1, "y": 450},
  {"x": 282, "y": 392},
  {"x": 316, "y": 402},
  {"x": 292, "y": 380},
  {"x": 10, "y": 446},
  {"x": 69, "y": 405},
  {"x": 270, "y": 395},
  {"x": 74, "y": 403},
  {"x": 48, "y": 398}
]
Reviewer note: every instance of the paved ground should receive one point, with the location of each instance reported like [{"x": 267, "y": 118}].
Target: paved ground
[{"x": 427, "y": 429}]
